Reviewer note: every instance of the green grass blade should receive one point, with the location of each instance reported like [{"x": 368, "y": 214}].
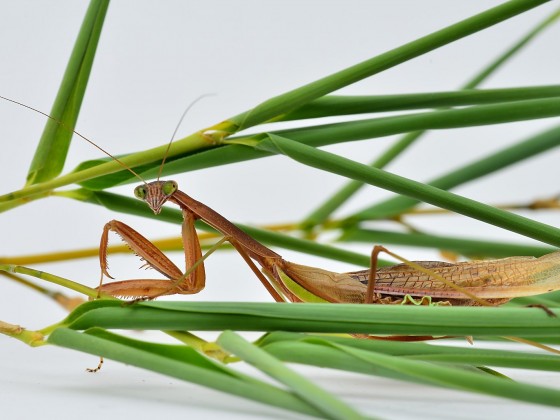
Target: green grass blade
[
  {"x": 54, "y": 143},
  {"x": 89, "y": 306},
  {"x": 319, "y": 317},
  {"x": 504, "y": 112},
  {"x": 178, "y": 362},
  {"x": 348, "y": 105},
  {"x": 321, "y": 135},
  {"x": 482, "y": 167},
  {"x": 51, "y": 278},
  {"x": 328, "y": 404},
  {"x": 327, "y": 208},
  {"x": 532, "y": 146},
  {"x": 289, "y": 101},
  {"x": 316, "y": 352},
  {"x": 467, "y": 247},
  {"x": 550, "y": 300},
  {"x": 336, "y": 164},
  {"x": 233, "y": 153}
]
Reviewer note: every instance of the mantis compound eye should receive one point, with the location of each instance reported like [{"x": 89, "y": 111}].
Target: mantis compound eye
[
  {"x": 140, "y": 192},
  {"x": 169, "y": 187}
]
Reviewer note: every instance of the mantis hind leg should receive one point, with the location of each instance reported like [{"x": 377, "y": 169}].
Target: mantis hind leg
[
  {"x": 377, "y": 249},
  {"x": 269, "y": 288}
]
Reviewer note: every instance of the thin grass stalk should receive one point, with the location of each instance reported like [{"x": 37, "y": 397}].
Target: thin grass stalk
[
  {"x": 334, "y": 105},
  {"x": 328, "y": 404}
]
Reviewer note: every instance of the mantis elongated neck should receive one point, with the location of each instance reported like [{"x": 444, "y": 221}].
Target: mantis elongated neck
[{"x": 223, "y": 225}]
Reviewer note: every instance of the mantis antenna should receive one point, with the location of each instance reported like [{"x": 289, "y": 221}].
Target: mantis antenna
[
  {"x": 103, "y": 150},
  {"x": 77, "y": 133},
  {"x": 187, "y": 109}
]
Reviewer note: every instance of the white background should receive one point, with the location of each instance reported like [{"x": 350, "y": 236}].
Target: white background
[{"x": 153, "y": 59}]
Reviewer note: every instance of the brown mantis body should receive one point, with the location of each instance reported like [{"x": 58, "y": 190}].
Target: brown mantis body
[{"x": 494, "y": 281}]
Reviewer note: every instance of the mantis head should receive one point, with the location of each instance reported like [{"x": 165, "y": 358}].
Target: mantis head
[{"x": 156, "y": 193}]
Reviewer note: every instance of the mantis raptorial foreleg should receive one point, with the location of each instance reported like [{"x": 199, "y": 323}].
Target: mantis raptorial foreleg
[{"x": 191, "y": 282}]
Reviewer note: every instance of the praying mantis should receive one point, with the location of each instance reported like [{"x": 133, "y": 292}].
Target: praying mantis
[{"x": 488, "y": 282}]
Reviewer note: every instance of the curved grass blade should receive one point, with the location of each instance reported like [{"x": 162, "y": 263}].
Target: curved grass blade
[
  {"x": 348, "y": 168},
  {"x": 53, "y": 146}
]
